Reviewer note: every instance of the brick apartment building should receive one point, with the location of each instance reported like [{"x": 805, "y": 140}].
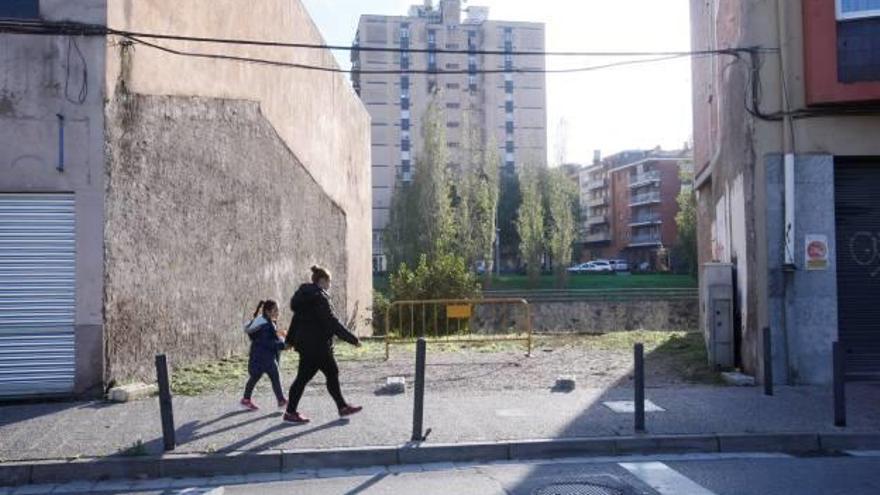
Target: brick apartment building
[{"x": 629, "y": 201}]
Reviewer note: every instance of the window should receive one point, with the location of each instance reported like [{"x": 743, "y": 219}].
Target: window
[
  {"x": 508, "y": 86},
  {"x": 404, "y": 92},
  {"x": 404, "y": 82},
  {"x": 472, "y": 82},
  {"x": 453, "y": 67},
  {"x": 20, "y": 9},
  {"x": 508, "y": 127},
  {"x": 404, "y": 124},
  {"x": 405, "y": 145},
  {"x": 404, "y": 60},
  {"x": 857, "y": 9},
  {"x": 508, "y": 146},
  {"x": 453, "y": 105},
  {"x": 452, "y": 86},
  {"x": 508, "y": 106},
  {"x": 404, "y": 103},
  {"x": 452, "y": 125},
  {"x": 508, "y": 34},
  {"x": 452, "y": 144},
  {"x": 432, "y": 86},
  {"x": 432, "y": 37}
]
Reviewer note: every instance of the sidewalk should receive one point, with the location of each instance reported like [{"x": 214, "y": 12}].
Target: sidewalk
[{"x": 214, "y": 424}]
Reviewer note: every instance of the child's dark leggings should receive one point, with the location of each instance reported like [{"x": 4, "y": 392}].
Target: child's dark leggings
[
  {"x": 309, "y": 365},
  {"x": 274, "y": 375}
]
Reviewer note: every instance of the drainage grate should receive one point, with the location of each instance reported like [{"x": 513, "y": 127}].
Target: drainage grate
[{"x": 577, "y": 489}]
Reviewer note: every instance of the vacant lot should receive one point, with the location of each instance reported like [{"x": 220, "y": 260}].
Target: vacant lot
[{"x": 598, "y": 361}]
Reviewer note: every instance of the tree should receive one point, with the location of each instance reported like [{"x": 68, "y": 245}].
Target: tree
[
  {"x": 530, "y": 221},
  {"x": 686, "y": 222},
  {"x": 560, "y": 198},
  {"x": 421, "y": 220}
]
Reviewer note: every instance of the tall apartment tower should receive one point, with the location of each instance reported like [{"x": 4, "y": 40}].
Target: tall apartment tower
[{"x": 507, "y": 106}]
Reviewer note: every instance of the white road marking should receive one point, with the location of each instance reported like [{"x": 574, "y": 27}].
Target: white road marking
[
  {"x": 664, "y": 479},
  {"x": 629, "y": 407}
]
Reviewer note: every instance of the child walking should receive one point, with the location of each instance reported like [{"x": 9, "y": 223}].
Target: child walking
[{"x": 266, "y": 346}]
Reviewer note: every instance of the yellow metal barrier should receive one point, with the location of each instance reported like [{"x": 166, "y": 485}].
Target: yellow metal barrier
[{"x": 406, "y": 321}]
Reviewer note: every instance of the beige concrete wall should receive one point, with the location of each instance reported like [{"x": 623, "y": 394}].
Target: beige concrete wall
[
  {"x": 33, "y": 76},
  {"x": 318, "y": 115}
]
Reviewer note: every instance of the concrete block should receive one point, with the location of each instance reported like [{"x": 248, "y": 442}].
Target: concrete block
[
  {"x": 474, "y": 452},
  {"x": 849, "y": 441},
  {"x": 146, "y": 467},
  {"x": 13, "y": 473},
  {"x": 56, "y": 471},
  {"x": 394, "y": 385},
  {"x": 299, "y": 460},
  {"x": 188, "y": 465},
  {"x": 738, "y": 379},
  {"x": 666, "y": 444},
  {"x": 133, "y": 391},
  {"x": 547, "y": 449},
  {"x": 786, "y": 442},
  {"x": 565, "y": 383}
]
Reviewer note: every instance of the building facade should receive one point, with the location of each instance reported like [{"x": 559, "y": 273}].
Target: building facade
[
  {"x": 629, "y": 202},
  {"x": 787, "y": 164},
  {"x": 149, "y": 200},
  {"x": 439, "y": 56}
]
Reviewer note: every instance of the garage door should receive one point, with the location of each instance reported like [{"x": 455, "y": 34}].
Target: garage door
[
  {"x": 37, "y": 294},
  {"x": 857, "y": 213}
]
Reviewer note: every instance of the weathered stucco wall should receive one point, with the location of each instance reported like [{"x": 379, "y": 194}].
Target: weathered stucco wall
[
  {"x": 208, "y": 211},
  {"x": 316, "y": 114},
  {"x": 42, "y": 77}
]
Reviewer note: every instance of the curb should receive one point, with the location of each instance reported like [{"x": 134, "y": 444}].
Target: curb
[{"x": 280, "y": 461}]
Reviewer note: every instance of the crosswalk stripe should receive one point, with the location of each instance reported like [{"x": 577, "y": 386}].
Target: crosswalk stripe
[{"x": 664, "y": 479}]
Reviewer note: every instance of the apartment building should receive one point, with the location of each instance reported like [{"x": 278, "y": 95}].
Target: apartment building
[
  {"x": 630, "y": 200},
  {"x": 148, "y": 200},
  {"x": 787, "y": 172},
  {"x": 439, "y": 56}
]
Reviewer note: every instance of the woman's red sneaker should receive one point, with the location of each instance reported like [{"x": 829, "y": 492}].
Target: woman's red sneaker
[
  {"x": 295, "y": 418},
  {"x": 349, "y": 410},
  {"x": 248, "y": 404}
]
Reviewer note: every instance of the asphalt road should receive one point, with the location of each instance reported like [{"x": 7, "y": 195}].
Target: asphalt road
[{"x": 695, "y": 474}]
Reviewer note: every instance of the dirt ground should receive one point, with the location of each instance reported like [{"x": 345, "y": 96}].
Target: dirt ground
[{"x": 600, "y": 361}]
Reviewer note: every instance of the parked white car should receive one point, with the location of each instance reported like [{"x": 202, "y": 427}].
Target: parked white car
[
  {"x": 579, "y": 268},
  {"x": 601, "y": 266},
  {"x": 619, "y": 265}
]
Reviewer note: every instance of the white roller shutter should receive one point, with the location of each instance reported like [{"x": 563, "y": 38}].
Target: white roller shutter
[{"x": 37, "y": 294}]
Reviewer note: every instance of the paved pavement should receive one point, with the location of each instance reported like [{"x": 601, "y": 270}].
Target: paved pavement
[
  {"x": 693, "y": 474},
  {"x": 215, "y": 424}
]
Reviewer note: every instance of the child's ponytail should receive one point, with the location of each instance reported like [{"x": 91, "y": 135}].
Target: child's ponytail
[{"x": 259, "y": 309}]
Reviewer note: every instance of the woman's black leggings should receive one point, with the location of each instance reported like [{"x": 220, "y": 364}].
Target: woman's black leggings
[
  {"x": 274, "y": 375},
  {"x": 309, "y": 365}
]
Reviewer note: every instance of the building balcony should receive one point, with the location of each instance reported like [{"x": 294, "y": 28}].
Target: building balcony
[
  {"x": 644, "y": 179},
  {"x": 602, "y": 201},
  {"x": 642, "y": 220},
  {"x": 645, "y": 240},
  {"x": 597, "y": 237},
  {"x": 597, "y": 220},
  {"x": 644, "y": 199},
  {"x": 597, "y": 184}
]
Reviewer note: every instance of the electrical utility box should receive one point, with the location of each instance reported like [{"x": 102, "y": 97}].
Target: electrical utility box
[{"x": 716, "y": 312}]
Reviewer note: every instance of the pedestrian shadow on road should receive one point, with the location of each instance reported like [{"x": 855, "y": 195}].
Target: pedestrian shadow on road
[
  {"x": 190, "y": 432},
  {"x": 367, "y": 484},
  {"x": 279, "y": 441}
]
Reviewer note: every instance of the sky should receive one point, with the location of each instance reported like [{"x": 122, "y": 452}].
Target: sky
[{"x": 611, "y": 110}]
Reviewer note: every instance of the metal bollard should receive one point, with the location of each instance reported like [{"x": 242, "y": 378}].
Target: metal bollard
[
  {"x": 768, "y": 363},
  {"x": 419, "y": 396},
  {"x": 839, "y": 366},
  {"x": 639, "y": 378},
  {"x": 165, "y": 408}
]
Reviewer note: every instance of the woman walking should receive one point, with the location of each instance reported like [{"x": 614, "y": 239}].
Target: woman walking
[
  {"x": 266, "y": 344},
  {"x": 311, "y": 335}
]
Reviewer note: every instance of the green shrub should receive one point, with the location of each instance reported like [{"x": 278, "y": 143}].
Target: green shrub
[
  {"x": 379, "y": 310},
  {"x": 446, "y": 277}
]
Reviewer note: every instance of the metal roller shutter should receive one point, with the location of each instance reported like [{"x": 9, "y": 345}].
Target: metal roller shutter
[
  {"x": 857, "y": 213},
  {"x": 37, "y": 294}
]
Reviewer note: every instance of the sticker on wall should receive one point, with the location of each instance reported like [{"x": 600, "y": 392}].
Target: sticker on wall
[{"x": 816, "y": 252}]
